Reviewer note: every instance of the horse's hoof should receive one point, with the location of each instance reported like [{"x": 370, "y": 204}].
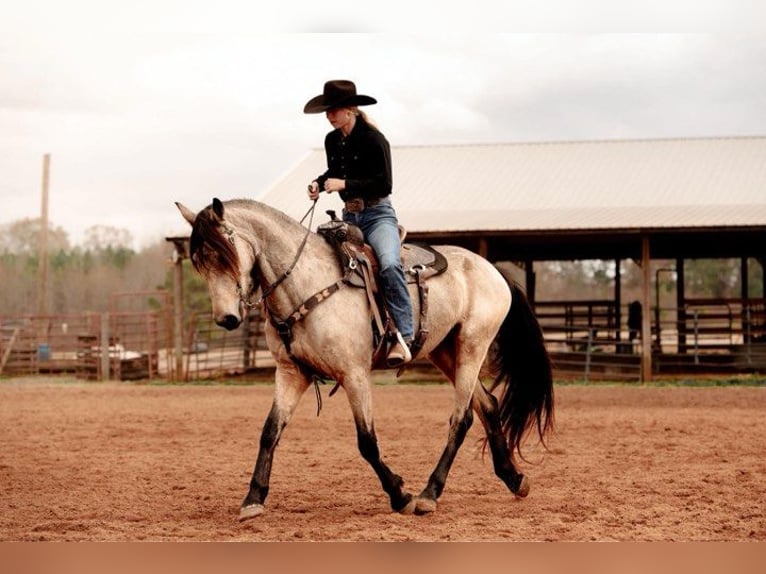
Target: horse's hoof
[
  {"x": 425, "y": 506},
  {"x": 523, "y": 489},
  {"x": 408, "y": 508},
  {"x": 250, "y": 511}
]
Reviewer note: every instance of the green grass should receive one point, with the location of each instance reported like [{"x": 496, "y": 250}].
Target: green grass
[{"x": 385, "y": 378}]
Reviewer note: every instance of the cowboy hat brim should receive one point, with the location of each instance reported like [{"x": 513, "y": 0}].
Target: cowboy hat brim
[{"x": 321, "y": 103}]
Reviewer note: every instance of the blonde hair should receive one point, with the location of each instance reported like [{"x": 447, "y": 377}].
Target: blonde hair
[{"x": 357, "y": 112}]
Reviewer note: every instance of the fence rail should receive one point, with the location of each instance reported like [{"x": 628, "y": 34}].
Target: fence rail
[
  {"x": 120, "y": 345},
  {"x": 587, "y": 339},
  {"x": 210, "y": 351},
  {"x": 595, "y": 339}
]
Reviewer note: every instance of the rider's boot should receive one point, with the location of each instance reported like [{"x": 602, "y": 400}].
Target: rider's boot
[{"x": 399, "y": 353}]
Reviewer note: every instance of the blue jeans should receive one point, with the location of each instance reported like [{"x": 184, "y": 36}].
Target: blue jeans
[{"x": 380, "y": 228}]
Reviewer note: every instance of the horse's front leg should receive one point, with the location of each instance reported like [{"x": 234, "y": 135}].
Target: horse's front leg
[
  {"x": 290, "y": 384},
  {"x": 359, "y": 397}
]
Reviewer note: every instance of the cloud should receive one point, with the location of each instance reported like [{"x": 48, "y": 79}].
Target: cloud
[{"x": 136, "y": 120}]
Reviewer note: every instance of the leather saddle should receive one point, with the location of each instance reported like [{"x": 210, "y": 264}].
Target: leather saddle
[{"x": 360, "y": 267}]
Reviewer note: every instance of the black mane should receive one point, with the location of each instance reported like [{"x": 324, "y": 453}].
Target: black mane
[{"x": 209, "y": 249}]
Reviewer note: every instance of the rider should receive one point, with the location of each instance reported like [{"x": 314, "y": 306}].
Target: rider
[{"x": 359, "y": 169}]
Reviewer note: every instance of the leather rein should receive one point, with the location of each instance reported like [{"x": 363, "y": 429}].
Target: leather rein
[
  {"x": 284, "y": 327},
  {"x": 245, "y": 298}
]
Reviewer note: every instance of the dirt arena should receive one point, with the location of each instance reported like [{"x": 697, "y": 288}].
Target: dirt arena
[{"x": 124, "y": 461}]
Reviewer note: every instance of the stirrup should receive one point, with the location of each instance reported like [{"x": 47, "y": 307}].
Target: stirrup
[{"x": 399, "y": 353}]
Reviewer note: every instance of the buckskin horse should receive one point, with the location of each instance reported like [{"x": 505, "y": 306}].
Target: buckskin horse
[{"x": 474, "y": 313}]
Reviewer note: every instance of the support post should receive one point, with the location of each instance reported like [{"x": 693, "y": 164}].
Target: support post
[
  {"x": 105, "y": 358},
  {"x": 178, "y": 316},
  {"x": 681, "y": 305},
  {"x": 177, "y": 257},
  {"x": 42, "y": 279},
  {"x": 483, "y": 247},
  {"x": 618, "y": 300},
  {"x": 646, "y": 329},
  {"x": 744, "y": 279},
  {"x": 529, "y": 269}
]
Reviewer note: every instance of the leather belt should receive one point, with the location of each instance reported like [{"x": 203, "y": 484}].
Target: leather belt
[{"x": 357, "y": 205}]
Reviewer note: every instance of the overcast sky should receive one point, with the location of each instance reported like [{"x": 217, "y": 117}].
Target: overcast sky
[{"x": 153, "y": 107}]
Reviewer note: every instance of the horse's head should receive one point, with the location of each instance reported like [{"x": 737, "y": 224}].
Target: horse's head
[{"x": 224, "y": 259}]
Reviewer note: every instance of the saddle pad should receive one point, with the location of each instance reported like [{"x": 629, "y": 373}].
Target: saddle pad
[{"x": 419, "y": 256}]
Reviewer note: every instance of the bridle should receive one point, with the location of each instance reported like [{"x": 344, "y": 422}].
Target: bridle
[{"x": 246, "y": 297}]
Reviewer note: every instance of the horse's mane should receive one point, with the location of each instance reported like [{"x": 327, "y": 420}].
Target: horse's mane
[{"x": 209, "y": 250}]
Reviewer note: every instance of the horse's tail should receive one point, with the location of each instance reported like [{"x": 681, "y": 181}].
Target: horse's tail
[{"x": 523, "y": 368}]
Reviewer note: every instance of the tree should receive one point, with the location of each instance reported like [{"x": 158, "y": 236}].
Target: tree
[
  {"x": 22, "y": 237},
  {"x": 100, "y": 238},
  {"x": 717, "y": 278}
]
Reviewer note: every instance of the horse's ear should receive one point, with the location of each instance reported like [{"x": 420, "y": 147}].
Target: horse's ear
[
  {"x": 218, "y": 208},
  {"x": 188, "y": 214}
]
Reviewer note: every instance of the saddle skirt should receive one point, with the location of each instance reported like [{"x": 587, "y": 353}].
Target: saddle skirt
[
  {"x": 361, "y": 269},
  {"x": 354, "y": 255}
]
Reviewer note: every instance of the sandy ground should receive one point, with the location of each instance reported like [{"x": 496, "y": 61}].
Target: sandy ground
[{"x": 128, "y": 462}]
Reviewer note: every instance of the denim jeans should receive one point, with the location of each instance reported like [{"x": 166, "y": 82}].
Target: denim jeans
[{"x": 380, "y": 228}]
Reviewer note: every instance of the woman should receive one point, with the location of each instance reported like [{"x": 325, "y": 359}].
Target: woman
[{"x": 359, "y": 169}]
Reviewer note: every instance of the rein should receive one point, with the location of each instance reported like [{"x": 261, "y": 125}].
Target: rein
[
  {"x": 271, "y": 288},
  {"x": 284, "y": 328}
]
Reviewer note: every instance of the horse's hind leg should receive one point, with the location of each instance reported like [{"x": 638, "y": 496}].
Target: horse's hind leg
[
  {"x": 290, "y": 384},
  {"x": 464, "y": 379},
  {"x": 460, "y": 422},
  {"x": 358, "y": 393},
  {"x": 486, "y": 407}
]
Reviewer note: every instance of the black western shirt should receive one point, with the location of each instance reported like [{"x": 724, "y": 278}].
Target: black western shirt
[{"x": 363, "y": 159}]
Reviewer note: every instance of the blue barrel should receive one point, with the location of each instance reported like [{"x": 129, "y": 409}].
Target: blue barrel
[{"x": 44, "y": 352}]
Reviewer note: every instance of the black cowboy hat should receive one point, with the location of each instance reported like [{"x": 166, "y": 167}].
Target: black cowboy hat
[{"x": 337, "y": 94}]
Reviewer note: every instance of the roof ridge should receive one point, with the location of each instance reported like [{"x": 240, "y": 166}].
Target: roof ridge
[
  {"x": 573, "y": 142},
  {"x": 584, "y": 141}
]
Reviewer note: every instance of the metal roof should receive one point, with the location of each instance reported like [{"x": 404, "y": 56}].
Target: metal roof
[{"x": 620, "y": 184}]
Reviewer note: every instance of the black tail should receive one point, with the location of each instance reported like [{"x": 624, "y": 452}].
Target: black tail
[{"x": 524, "y": 369}]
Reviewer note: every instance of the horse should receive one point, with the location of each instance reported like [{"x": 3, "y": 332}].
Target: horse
[{"x": 477, "y": 318}]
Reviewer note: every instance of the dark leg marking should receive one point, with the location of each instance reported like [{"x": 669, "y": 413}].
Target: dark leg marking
[
  {"x": 502, "y": 458},
  {"x": 438, "y": 478},
  {"x": 391, "y": 482},
  {"x": 259, "y": 483}
]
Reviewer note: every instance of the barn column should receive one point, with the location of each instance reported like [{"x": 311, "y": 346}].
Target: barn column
[
  {"x": 681, "y": 305},
  {"x": 762, "y": 263},
  {"x": 646, "y": 328},
  {"x": 529, "y": 269},
  {"x": 483, "y": 247},
  {"x": 744, "y": 279},
  {"x": 618, "y": 300}
]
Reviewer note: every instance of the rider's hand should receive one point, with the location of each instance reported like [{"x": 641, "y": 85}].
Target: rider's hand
[
  {"x": 313, "y": 190},
  {"x": 334, "y": 184}
]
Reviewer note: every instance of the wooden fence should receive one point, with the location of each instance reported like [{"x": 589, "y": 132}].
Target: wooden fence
[
  {"x": 592, "y": 339},
  {"x": 95, "y": 346},
  {"x": 210, "y": 351},
  {"x": 587, "y": 340}
]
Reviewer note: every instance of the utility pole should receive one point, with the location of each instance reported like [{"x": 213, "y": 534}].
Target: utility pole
[{"x": 42, "y": 280}]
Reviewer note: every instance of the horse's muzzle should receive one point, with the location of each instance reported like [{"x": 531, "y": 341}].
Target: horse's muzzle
[{"x": 229, "y": 322}]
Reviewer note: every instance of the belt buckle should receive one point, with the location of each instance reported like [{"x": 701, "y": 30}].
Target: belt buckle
[{"x": 355, "y": 205}]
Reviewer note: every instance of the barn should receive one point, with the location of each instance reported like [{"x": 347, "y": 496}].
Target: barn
[{"x": 644, "y": 201}]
